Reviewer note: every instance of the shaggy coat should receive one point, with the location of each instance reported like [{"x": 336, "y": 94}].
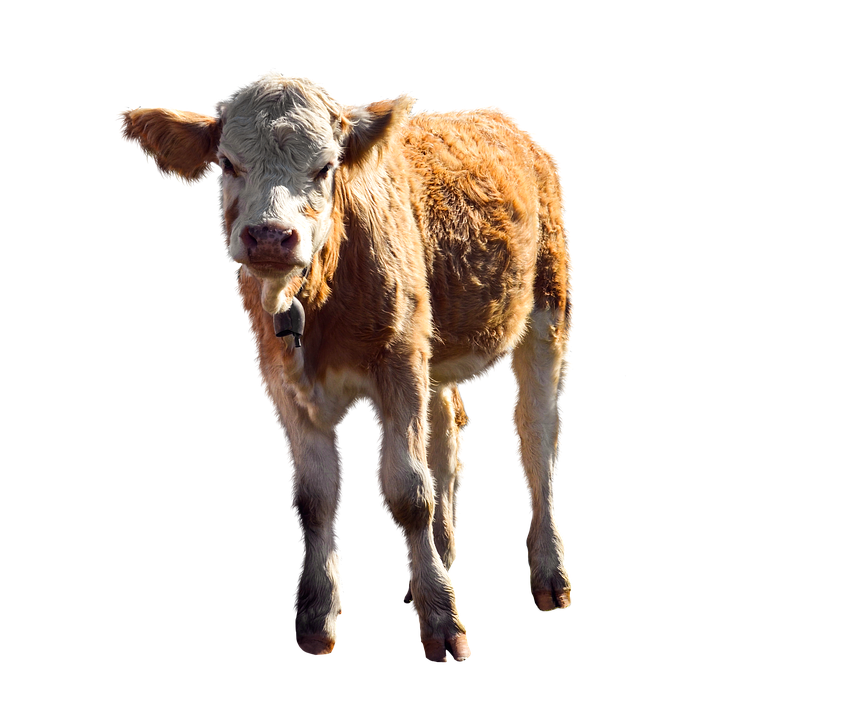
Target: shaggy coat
[{"x": 422, "y": 248}]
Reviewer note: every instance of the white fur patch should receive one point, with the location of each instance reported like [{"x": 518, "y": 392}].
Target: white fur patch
[{"x": 279, "y": 134}]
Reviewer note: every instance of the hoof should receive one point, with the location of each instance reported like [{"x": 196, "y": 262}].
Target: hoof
[
  {"x": 316, "y": 644},
  {"x": 552, "y": 599},
  {"x": 435, "y": 648}
]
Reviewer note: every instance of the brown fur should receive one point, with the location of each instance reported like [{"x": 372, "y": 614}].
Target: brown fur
[
  {"x": 476, "y": 223},
  {"x": 181, "y": 142}
]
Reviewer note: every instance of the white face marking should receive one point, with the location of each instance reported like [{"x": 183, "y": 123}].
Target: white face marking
[{"x": 279, "y": 138}]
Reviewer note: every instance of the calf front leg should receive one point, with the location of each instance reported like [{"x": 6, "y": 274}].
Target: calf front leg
[
  {"x": 317, "y": 491},
  {"x": 409, "y": 494}
]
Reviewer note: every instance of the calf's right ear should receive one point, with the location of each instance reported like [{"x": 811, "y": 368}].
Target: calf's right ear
[{"x": 183, "y": 143}]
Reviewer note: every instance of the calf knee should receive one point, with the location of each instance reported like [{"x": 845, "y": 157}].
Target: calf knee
[
  {"x": 411, "y": 502},
  {"x": 314, "y": 511}
]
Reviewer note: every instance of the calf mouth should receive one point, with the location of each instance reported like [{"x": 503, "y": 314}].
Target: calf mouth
[{"x": 269, "y": 268}]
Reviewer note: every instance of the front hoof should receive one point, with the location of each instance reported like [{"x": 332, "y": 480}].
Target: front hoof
[
  {"x": 316, "y": 644},
  {"x": 552, "y": 599},
  {"x": 435, "y": 648}
]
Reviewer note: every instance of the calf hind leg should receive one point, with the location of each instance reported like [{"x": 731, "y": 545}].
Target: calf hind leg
[
  {"x": 538, "y": 362},
  {"x": 447, "y": 419}
]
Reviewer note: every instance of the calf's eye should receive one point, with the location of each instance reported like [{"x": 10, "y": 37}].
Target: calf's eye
[
  {"x": 227, "y": 167},
  {"x": 323, "y": 173}
]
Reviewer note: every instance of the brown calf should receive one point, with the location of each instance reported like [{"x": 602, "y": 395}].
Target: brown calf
[{"x": 411, "y": 252}]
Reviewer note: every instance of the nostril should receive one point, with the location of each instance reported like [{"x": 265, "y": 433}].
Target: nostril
[
  {"x": 248, "y": 238},
  {"x": 280, "y": 237},
  {"x": 291, "y": 237}
]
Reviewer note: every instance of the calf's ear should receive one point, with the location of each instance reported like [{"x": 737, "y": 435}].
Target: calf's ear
[
  {"x": 366, "y": 130},
  {"x": 183, "y": 143}
]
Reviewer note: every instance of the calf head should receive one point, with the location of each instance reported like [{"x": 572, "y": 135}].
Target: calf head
[{"x": 280, "y": 144}]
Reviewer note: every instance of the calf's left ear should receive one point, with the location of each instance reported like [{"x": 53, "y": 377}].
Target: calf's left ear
[
  {"x": 368, "y": 129},
  {"x": 183, "y": 143}
]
